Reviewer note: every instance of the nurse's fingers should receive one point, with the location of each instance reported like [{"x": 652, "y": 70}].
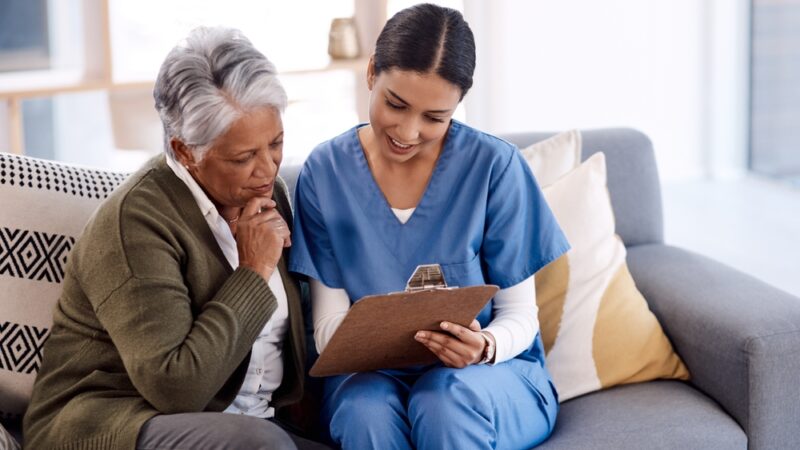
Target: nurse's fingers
[
  {"x": 465, "y": 335},
  {"x": 445, "y": 354},
  {"x": 459, "y": 352}
]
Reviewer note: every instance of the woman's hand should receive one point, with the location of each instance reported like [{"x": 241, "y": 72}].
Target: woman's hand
[
  {"x": 261, "y": 236},
  {"x": 458, "y": 346}
]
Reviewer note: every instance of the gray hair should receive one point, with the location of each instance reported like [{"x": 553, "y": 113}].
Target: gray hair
[{"x": 207, "y": 82}]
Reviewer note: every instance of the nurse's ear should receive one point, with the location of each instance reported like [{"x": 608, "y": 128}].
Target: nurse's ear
[{"x": 371, "y": 72}]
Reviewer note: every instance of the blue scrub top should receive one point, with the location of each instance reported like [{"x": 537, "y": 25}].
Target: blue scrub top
[{"x": 482, "y": 218}]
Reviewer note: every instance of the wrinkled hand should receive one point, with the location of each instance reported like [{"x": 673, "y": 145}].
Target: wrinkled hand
[
  {"x": 457, "y": 346},
  {"x": 261, "y": 235}
]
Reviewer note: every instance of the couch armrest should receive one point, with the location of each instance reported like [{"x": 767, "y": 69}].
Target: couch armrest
[{"x": 739, "y": 337}]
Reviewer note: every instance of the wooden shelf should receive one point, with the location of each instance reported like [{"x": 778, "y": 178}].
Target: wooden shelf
[{"x": 57, "y": 85}]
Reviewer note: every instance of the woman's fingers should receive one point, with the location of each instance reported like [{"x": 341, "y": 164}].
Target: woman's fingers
[
  {"x": 271, "y": 218},
  {"x": 256, "y": 205}
]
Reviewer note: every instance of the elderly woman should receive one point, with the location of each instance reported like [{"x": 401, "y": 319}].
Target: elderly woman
[{"x": 177, "y": 305}]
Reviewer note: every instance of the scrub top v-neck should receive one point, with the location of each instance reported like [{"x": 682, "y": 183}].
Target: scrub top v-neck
[{"x": 482, "y": 217}]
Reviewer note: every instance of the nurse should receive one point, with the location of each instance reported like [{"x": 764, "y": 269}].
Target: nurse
[{"x": 411, "y": 187}]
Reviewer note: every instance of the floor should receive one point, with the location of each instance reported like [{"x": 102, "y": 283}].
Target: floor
[{"x": 752, "y": 224}]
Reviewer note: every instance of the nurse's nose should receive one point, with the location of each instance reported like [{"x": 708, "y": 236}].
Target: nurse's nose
[{"x": 407, "y": 131}]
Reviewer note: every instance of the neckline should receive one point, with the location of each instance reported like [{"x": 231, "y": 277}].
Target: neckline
[{"x": 385, "y": 208}]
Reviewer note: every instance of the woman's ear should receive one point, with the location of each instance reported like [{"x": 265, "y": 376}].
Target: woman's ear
[
  {"x": 371, "y": 72},
  {"x": 182, "y": 152}
]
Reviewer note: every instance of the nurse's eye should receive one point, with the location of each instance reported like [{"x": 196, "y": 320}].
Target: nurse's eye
[
  {"x": 394, "y": 105},
  {"x": 434, "y": 119}
]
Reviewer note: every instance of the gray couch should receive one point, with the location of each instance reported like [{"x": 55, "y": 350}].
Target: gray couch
[{"x": 739, "y": 337}]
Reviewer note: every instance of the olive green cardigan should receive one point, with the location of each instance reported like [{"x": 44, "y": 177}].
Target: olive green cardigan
[{"x": 152, "y": 320}]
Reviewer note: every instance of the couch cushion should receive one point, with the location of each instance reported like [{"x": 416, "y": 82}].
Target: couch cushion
[
  {"x": 596, "y": 327},
  {"x": 45, "y": 207},
  {"x": 652, "y": 415}
]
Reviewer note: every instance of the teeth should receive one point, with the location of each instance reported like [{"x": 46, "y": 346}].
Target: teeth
[{"x": 399, "y": 144}]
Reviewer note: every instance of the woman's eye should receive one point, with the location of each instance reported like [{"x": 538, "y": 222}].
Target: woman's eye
[
  {"x": 435, "y": 119},
  {"x": 276, "y": 145},
  {"x": 243, "y": 160}
]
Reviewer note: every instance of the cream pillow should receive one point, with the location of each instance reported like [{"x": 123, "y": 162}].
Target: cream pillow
[
  {"x": 553, "y": 157},
  {"x": 597, "y": 328}
]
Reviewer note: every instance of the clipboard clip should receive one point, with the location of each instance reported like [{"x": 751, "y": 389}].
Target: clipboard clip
[{"x": 426, "y": 276}]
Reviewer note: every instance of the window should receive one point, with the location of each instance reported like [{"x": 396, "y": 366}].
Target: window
[
  {"x": 775, "y": 108},
  {"x": 24, "y": 43}
]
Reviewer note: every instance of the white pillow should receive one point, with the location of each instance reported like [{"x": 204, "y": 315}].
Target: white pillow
[{"x": 553, "y": 157}]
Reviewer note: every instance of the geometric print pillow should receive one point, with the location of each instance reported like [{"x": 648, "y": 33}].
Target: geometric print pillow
[
  {"x": 45, "y": 205},
  {"x": 596, "y": 326}
]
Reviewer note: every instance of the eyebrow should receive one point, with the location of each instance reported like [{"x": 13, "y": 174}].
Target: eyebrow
[
  {"x": 400, "y": 99},
  {"x": 248, "y": 150}
]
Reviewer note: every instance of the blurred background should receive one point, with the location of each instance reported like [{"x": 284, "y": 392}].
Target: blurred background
[{"x": 714, "y": 83}]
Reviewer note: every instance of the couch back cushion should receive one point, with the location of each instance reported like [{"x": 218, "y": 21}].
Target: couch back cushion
[
  {"x": 45, "y": 205},
  {"x": 632, "y": 179}
]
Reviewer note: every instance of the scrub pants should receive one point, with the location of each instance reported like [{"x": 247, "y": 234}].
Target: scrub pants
[{"x": 511, "y": 405}]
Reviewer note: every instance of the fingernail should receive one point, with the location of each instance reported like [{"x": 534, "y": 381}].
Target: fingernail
[
  {"x": 419, "y": 335},
  {"x": 443, "y": 325}
]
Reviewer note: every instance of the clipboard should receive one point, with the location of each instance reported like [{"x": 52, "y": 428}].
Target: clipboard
[{"x": 378, "y": 330}]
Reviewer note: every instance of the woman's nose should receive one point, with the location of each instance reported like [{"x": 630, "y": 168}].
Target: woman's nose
[{"x": 265, "y": 165}]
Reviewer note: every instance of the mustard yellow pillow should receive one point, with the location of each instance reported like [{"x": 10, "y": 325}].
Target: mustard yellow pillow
[{"x": 597, "y": 328}]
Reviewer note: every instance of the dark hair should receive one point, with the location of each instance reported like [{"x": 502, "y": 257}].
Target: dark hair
[{"x": 428, "y": 38}]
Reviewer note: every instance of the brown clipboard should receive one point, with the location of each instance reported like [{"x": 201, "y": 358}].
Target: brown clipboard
[{"x": 378, "y": 330}]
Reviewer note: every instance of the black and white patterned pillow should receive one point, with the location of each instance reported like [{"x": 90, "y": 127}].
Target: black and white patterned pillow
[{"x": 44, "y": 206}]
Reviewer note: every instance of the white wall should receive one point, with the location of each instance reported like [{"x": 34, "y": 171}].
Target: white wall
[
  {"x": 546, "y": 65},
  {"x": 5, "y": 138}
]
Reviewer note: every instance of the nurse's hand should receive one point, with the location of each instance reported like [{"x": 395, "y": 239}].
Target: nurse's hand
[{"x": 457, "y": 346}]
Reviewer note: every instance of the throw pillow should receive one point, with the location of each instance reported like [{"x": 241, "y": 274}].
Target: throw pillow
[
  {"x": 45, "y": 207},
  {"x": 553, "y": 157},
  {"x": 596, "y": 327}
]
